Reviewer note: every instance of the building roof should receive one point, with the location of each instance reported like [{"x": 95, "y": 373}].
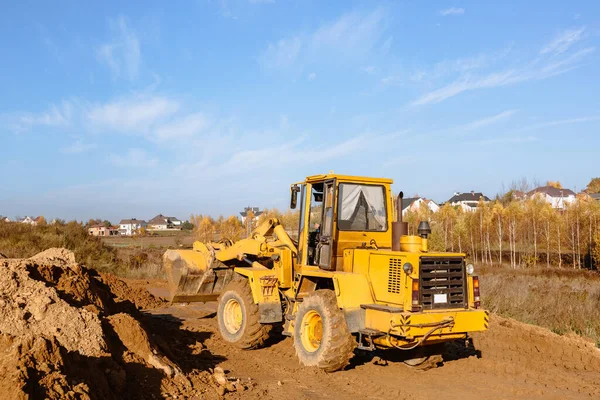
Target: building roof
[
  {"x": 408, "y": 201},
  {"x": 595, "y": 196},
  {"x": 552, "y": 191},
  {"x": 132, "y": 221},
  {"x": 469, "y": 196},
  {"x": 159, "y": 220}
]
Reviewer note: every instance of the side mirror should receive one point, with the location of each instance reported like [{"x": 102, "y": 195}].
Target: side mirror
[{"x": 294, "y": 196}]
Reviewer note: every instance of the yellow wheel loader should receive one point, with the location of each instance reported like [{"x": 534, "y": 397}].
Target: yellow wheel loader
[{"x": 354, "y": 278}]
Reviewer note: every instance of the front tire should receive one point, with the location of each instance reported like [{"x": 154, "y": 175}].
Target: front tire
[
  {"x": 238, "y": 317},
  {"x": 321, "y": 335}
]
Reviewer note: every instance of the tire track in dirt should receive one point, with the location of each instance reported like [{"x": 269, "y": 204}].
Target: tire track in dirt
[{"x": 516, "y": 361}]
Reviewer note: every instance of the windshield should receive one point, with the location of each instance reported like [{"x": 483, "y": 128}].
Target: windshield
[{"x": 362, "y": 208}]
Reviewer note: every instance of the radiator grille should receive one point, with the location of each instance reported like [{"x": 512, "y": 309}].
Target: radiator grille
[
  {"x": 444, "y": 277},
  {"x": 394, "y": 275}
]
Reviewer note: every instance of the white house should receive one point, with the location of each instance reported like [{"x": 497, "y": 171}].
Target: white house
[
  {"x": 163, "y": 223},
  {"x": 468, "y": 201},
  {"x": 4, "y": 219},
  {"x": 254, "y": 210},
  {"x": 415, "y": 203},
  {"x": 558, "y": 198},
  {"x": 131, "y": 226},
  {"x": 28, "y": 220}
]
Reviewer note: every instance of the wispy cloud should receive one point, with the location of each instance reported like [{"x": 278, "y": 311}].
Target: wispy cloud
[
  {"x": 369, "y": 69},
  {"x": 563, "y": 41},
  {"x": 122, "y": 54},
  {"x": 452, "y": 11},
  {"x": 185, "y": 127},
  {"x": 559, "y": 122},
  {"x": 78, "y": 147},
  {"x": 135, "y": 115},
  {"x": 136, "y": 158},
  {"x": 312, "y": 76},
  {"x": 481, "y": 123},
  {"x": 350, "y": 37},
  {"x": 55, "y": 116},
  {"x": 556, "y": 59},
  {"x": 507, "y": 140}
]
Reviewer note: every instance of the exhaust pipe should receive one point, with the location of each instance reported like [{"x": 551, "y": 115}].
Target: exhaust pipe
[{"x": 399, "y": 228}]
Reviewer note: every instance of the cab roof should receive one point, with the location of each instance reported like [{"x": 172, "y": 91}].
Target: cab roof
[{"x": 347, "y": 178}]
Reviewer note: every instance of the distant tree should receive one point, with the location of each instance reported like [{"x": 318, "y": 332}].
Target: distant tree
[
  {"x": 593, "y": 186},
  {"x": 41, "y": 220},
  {"x": 554, "y": 184},
  {"x": 187, "y": 226},
  {"x": 106, "y": 223}
]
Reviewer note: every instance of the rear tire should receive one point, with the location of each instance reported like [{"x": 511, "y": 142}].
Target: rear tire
[
  {"x": 321, "y": 335},
  {"x": 238, "y": 317}
]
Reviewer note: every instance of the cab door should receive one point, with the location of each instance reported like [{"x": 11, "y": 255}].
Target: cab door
[{"x": 325, "y": 245}]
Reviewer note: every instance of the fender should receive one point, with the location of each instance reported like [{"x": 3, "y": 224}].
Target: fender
[{"x": 265, "y": 292}]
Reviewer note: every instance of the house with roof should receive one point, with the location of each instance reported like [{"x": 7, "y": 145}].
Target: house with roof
[
  {"x": 5, "y": 219},
  {"x": 595, "y": 196},
  {"x": 558, "y": 198},
  {"x": 101, "y": 230},
  {"x": 28, "y": 220},
  {"x": 131, "y": 226},
  {"x": 163, "y": 223},
  {"x": 468, "y": 201},
  {"x": 250, "y": 210},
  {"x": 414, "y": 204}
]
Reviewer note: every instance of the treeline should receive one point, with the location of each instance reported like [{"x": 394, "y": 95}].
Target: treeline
[
  {"x": 208, "y": 229},
  {"x": 504, "y": 231},
  {"x": 521, "y": 233}
]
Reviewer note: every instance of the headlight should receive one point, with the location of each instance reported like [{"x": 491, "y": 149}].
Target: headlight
[
  {"x": 408, "y": 268},
  {"x": 470, "y": 269}
]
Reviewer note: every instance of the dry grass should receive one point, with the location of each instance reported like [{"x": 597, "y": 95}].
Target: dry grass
[
  {"x": 23, "y": 241},
  {"x": 562, "y": 300}
]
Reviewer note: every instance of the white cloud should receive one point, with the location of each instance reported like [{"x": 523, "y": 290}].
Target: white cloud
[
  {"x": 312, "y": 76},
  {"x": 563, "y": 41},
  {"x": 481, "y": 123},
  {"x": 369, "y": 69},
  {"x": 351, "y": 37},
  {"x": 281, "y": 54},
  {"x": 559, "y": 122},
  {"x": 56, "y": 116},
  {"x": 452, "y": 11},
  {"x": 131, "y": 115},
  {"x": 542, "y": 67},
  {"x": 183, "y": 128},
  {"x": 136, "y": 158},
  {"x": 78, "y": 147},
  {"x": 122, "y": 54}
]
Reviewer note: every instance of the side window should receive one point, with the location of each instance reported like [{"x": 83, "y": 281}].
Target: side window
[
  {"x": 328, "y": 207},
  {"x": 301, "y": 223}
]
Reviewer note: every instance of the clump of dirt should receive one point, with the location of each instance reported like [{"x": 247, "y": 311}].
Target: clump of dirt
[
  {"x": 69, "y": 332},
  {"x": 29, "y": 307},
  {"x": 137, "y": 295}
]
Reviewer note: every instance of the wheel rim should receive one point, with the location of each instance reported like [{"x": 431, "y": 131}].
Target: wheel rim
[
  {"x": 232, "y": 316},
  {"x": 312, "y": 331}
]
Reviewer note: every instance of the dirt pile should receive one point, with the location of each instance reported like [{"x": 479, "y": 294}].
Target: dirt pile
[{"x": 68, "y": 332}]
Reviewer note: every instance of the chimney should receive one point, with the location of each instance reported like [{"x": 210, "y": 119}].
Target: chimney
[{"x": 473, "y": 192}]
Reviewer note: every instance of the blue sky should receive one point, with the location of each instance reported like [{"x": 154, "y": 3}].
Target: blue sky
[{"x": 130, "y": 109}]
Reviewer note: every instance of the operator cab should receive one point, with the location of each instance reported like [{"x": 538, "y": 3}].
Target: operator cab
[{"x": 341, "y": 212}]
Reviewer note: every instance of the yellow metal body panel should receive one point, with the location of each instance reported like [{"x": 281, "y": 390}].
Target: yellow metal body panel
[
  {"x": 263, "y": 283},
  {"x": 352, "y": 290},
  {"x": 408, "y": 327}
]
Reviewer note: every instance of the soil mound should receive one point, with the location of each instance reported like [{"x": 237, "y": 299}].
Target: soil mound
[
  {"x": 69, "y": 332},
  {"x": 141, "y": 297}
]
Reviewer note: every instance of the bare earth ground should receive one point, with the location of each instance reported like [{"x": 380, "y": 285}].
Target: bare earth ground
[
  {"x": 68, "y": 332},
  {"x": 515, "y": 361}
]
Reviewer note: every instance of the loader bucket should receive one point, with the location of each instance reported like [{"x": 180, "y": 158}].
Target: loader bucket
[{"x": 195, "y": 275}]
